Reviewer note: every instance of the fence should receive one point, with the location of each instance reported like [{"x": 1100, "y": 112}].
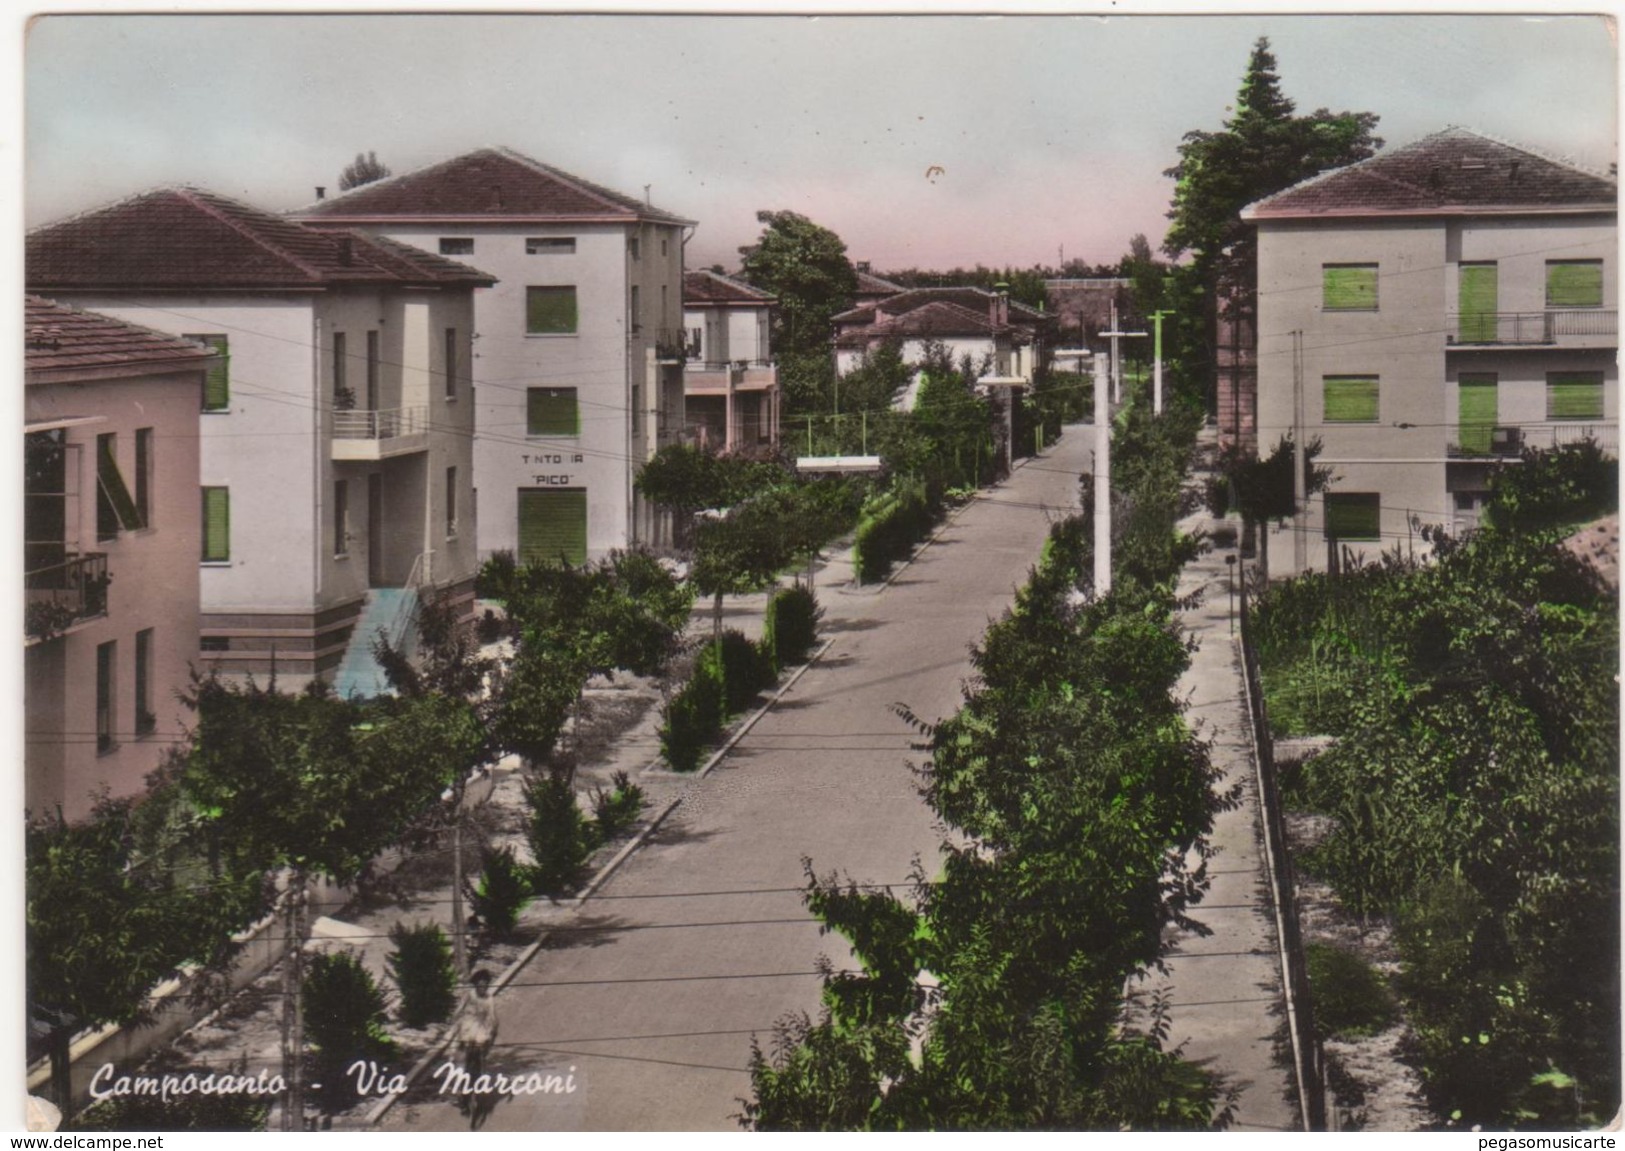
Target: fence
[{"x": 1308, "y": 1058}]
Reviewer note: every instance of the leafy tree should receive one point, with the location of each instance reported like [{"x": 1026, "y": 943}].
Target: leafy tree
[
  {"x": 1262, "y": 489},
  {"x": 1546, "y": 489},
  {"x": 347, "y": 1012},
  {"x": 805, "y": 266},
  {"x": 1262, "y": 149},
  {"x": 364, "y": 169},
  {"x": 876, "y": 381},
  {"x": 738, "y": 553}
]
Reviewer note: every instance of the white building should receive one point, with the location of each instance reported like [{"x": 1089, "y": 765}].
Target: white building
[
  {"x": 1450, "y": 301},
  {"x": 110, "y": 544},
  {"x": 731, "y": 386},
  {"x": 578, "y": 361},
  {"x": 336, "y": 462}
]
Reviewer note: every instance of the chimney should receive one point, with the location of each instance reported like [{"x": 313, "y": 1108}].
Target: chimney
[
  {"x": 862, "y": 265},
  {"x": 321, "y": 192},
  {"x": 998, "y": 307}
]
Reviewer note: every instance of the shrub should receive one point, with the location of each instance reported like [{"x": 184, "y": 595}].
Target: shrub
[
  {"x": 501, "y": 892},
  {"x": 423, "y": 969},
  {"x": 615, "y": 811},
  {"x": 1351, "y": 997},
  {"x": 746, "y": 671},
  {"x": 890, "y": 528},
  {"x": 178, "y": 1113},
  {"x": 495, "y": 579},
  {"x": 344, "y": 1021},
  {"x": 559, "y": 837},
  {"x": 791, "y": 626},
  {"x": 696, "y": 713}
]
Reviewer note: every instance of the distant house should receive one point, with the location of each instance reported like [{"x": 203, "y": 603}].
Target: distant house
[
  {"x": 1451, "y": 301},
  {"x": 335, "y": 429},
  {"x": 111, "y": 538},
  {"x": 578, "y": 373},
  {"x": 872, "y": 288},
  {"x": 731, "y": 387},
  {"x": 1083, "y": 307},
  {"x": 967, "y": 321}
]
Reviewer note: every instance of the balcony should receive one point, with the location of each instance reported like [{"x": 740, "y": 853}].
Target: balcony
[
  {"x": 671, "y": 345},
  {"x": 60, "y": 595},
  {"x": 379, "y": 434},
  {"x": 716, "y": 377},
  {"x": 1508, "y": 442},
  {"x": 1565, "y": 327}
]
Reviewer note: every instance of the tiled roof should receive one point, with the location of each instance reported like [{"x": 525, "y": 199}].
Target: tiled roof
[
  {"x": 1448, "y": 172},
  {"x": 188, "y": 238},
  {"x": 706, "y": 287},
  {"x": 872, "y": 285},
  {"x": 935, "y": 319},
  {"x": 969, "y": 299},
  {"x": 488, "y": 184},
  {"x": 57, "y": 337},
  {"x": 1597, "y": 544}
]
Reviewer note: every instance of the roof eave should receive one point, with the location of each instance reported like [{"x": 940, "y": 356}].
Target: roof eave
[
  {"x": 128, "y": 369},
  {"x": 355, "y": 219},
  {"x": 1252, "y": 213}
]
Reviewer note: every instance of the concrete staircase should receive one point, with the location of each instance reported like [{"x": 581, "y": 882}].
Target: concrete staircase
[{"x": 392, "y": 610}]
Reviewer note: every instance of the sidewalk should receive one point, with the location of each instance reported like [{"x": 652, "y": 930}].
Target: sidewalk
[{"x": 1226, "y": 1004}]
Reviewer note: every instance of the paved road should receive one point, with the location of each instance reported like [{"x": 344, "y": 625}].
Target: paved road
[{"x": 700, "y": 940}]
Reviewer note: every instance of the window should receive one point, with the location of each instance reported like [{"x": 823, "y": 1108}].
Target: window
[
  {"x": 456, "y": 245},
  {"x": 1574, "y": 283},
  {"x": 145, "y": 721},
  {"x": 373, "y": 360},
  {"x": 1354, "y": 516},
  {"x": 451, "y": 363},
  {"x": 551, "y": 412},
  {"x": 637, "y": 409},
  {"x": 1349, "y": 288},
  {"x": 115, "y": 510},
  {"x": 550, "y": 311},
  {"x": 1350, "y": 399},
  {"x": 1574, "y": 395},
  {"x": 696, "y": 340},
  {"x": 341, "y": 518},
  {"x": 634, "y": 248},
  {"x": 341, "y": 363},
  {"x": 451, "y": 503},
  {"x": 636, "y": 314},
  {"x": 1477, "y": 410},
  {"x": 217, "y": 380},
  {"x": 216, "y": 525},
  {"x": 550, "y": 246},
  {"x": 1478, "y": 297},
  {"x": 662, "y": 305},
  {"x": 553, "y": 525},
  {"x": 106, "y": 653},
  {"x": 143, "y": 476},
  {"x": 663, "y": 243}
]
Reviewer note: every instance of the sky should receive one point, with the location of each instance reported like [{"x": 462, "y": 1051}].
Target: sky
[{"x": 922, "y": 140}]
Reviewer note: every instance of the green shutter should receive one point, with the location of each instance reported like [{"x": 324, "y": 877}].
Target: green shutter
[
  {"x": 1350, "y": 288},
  {"x": 1479, "y": 298},
  {"x": 551, "y": 412},
  {"x": 1575, "y": 284},
  {"x": 217, "y": 381},
  {"x": 550, "y": 311},
  {"x": 553, "y": 526},
  {"x": 216, "y": 525},
  {"x": 1354, "y": 517},
  {"x": 1477, "y": 412},
  {"x": 1351, "y": 399},
  {"x": 1574, "y": 396},
  {"x": 111, "y": 482}
]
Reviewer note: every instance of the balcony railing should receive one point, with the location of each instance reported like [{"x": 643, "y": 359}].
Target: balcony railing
[
  {"x": 1502, "y": 442},
  {"x": 1577, "y": 325},
  {"x": 671, "y": 344},
  {"x": 60, "y": 595},
  {"x": 380, "y": 424}
]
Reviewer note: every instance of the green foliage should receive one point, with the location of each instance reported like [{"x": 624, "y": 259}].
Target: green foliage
[
  {"x": 364, "y": 169},
  {"x": 200, "y": 1112},
  {"x": 559, "y": 836},
  {"x": 424, "y": 972},
  {"x": 684, "y": 479},
  {"x": 501, "y": 892},
  {"x": 790, "y": 627},
  {"x": 1547, "y": 490},
  {"x": 806, "y": 268},
  {"x": 1077, "y": 805},
  {"x": 495, "y": 579},
  {"x": 616, "y": 810},
  {"x": 344, "y": 1021},
  {"x": 746, "y": 671},
  {"x": 891, "y": 525},
  {"x": 696, "y": 713},
  {"x": 1351, "y": 996},
  {"x": 876, "y": 381}
]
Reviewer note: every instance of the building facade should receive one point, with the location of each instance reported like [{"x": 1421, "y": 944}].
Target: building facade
[
  {"x": 1425, "y": 314},
  {"x": 336, "y": 465},
  {"x": 111, "y": 537},
  {"x": 730, "y": 384},
  {"x": 578, "y": 367}
]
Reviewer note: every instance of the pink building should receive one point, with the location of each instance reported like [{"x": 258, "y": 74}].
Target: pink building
[{"x": 112, "y": 537}]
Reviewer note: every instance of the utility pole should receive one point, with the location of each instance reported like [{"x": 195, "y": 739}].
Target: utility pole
[
  {"x": 1117, "y": 369},
  {"x": 1103, "y": 484},
  {"x": 1300, "y": 539},
  {"x": 1156, "y": 361}
]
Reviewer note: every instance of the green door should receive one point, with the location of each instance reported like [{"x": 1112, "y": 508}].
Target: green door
[
  {"x": 1480, "y": 296},
  {"x": 553, "y": 526},
  {"x": 1477, "y": 412}
]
